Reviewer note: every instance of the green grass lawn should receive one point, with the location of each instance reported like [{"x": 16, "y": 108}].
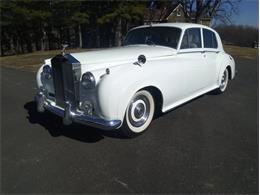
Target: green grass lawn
[
  {"x": 32, "y": 61},
  {"x": 243, "y": 52}
]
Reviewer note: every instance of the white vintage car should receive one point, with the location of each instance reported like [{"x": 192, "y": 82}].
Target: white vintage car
[{"x": 159, "y": 67}]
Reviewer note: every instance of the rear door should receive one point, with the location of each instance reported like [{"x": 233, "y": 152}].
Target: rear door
[{"x": 211, "y": 53}]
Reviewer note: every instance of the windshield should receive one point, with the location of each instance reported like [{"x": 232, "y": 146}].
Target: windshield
[{"x": 164, "y": 36}]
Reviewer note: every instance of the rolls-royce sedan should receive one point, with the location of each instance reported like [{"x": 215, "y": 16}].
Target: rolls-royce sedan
[{"x": 158, "y": 67}]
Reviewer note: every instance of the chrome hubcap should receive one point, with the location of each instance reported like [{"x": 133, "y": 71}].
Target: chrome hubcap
[{"x": 139, "y": 110}]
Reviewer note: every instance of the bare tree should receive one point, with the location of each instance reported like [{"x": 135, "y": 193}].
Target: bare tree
[
  {"x": 218, "y": 9},
  {"x": 225, "y": 10},
  {"x": 194, "y": 10}
]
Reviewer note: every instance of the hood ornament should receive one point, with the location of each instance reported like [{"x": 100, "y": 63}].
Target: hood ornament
[{"x": 63, "y": 49}]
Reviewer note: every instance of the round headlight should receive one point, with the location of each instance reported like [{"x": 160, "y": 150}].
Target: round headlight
[
  {"x": 47, "y": 72},
  {"x": 88, "y": 80}
]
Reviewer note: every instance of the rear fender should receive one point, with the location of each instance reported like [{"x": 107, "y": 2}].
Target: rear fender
[{"x": 227, "y": 61}]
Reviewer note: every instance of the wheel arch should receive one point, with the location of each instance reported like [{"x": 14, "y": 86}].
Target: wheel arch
[
  {"x": 158, "y": 97},
  {"x": 229, "y": 72},
  {"x": 223, "y": 68},
  {"x": 153, "y": 89},
  {"x": 227, "y": 62}
]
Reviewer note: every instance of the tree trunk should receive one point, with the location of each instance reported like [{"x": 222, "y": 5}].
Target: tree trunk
[
  {"x": 36, "y": 43},
  {"x": 29, "y": 44},
  {"x": 2, "y": 49},
  {"x": 112, "y": 38},
  {"x": 68, "y": 37},
  {"x": 49, "y": 38},
  {"x": 61, "y": 37},
  {"x": 127, "y": 26},
  {"x": 97, "y": 38},
  {"x": 118, "y": 33},
  {"x": 21, "y": 46},
  {"x": 44, "y": 42},
  {"x": 12, "y": 45},
  {"x": 17, "y": 46},
  {"x": 80, "y": 36}
]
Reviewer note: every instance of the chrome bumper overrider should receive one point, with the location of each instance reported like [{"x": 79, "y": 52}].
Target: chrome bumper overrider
[{"x": 69, "y": 115}]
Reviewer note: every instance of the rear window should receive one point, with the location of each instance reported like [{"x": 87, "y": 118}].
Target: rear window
[{"x": 210, "y": 40}]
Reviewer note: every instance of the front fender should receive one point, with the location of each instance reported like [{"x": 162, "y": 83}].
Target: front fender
[{"x": 116, "y": 90}]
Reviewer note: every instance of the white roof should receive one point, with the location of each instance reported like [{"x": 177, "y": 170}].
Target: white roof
[{"x": 178, "y": 25}]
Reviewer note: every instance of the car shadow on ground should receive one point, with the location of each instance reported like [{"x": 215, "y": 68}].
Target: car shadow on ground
[
  {"x": 80, "y": 132},
  {"x": 76, "y": 131}
]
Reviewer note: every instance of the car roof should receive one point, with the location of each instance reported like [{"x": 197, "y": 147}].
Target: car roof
[{"x": 177, "y": 25}]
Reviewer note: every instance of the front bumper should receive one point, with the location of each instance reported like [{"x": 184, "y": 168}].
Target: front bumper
[{"x": 70, "y": 115}]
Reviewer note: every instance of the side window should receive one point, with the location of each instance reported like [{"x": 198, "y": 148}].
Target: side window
[
  {"x": 209, "y": 38},
  {"x": 191, "y": 39}
]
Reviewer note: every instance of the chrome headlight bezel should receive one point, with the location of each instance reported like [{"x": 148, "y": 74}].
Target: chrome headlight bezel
[
  {"x": 88, "y": 80},
  {"x": 47, "y": 72}
]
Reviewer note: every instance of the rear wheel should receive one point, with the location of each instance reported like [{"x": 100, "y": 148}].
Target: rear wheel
[
  {"x": 223, "y": 82},
  {"x": 139, "y": 114}
]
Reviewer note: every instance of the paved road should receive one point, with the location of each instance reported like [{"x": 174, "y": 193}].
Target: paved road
[{"x": 209, "y": 145}]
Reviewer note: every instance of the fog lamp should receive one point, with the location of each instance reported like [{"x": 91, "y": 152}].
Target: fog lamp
[{"x": 87, "y": 107}]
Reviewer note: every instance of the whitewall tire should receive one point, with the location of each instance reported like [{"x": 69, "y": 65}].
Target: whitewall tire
[
  {"x": 139, "y": 114},
  {"x": 223, "y": 82}
]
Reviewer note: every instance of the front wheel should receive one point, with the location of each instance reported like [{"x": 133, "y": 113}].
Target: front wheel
[
  {"x": 223, "y": 82},
  {"x": 139, "y": 114}
]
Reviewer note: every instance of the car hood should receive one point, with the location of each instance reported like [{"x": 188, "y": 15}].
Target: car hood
[{"x": 120, "y": 55}]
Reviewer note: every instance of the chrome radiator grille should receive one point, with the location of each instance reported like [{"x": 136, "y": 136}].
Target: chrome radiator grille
[{"x": 66, "y": 76}]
